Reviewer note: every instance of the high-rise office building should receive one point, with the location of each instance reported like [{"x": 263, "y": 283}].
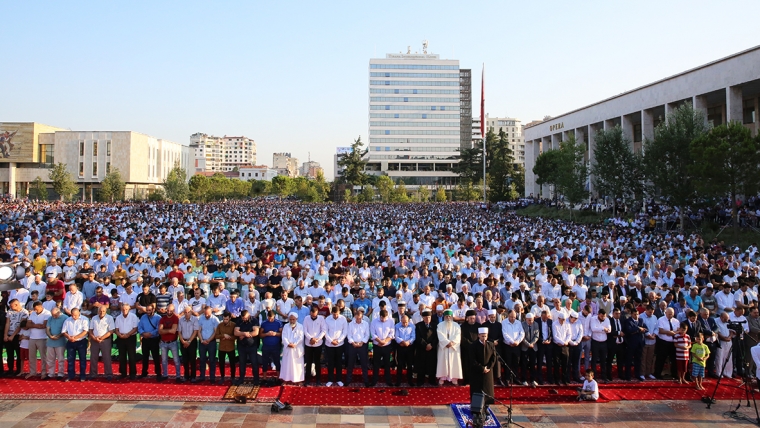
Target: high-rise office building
[{"x": 415, "y": 119}]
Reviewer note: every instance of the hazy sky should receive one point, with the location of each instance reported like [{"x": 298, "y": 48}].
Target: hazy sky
[{"x": 293, "y": 75}]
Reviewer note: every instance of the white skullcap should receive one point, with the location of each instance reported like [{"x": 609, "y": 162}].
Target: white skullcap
[
  {"x": 439, "y": 308},
  {"x": 529, "y": 315},
  {"x": 483, "y": 330},
  {"x": 492, "y": 312},
  {"x": 561, "y": 315},
  {"x": 470, "y": 299},
  {"x": 573, "y": 314},
  {"x": 293, "y": 314},
  {"x": 328, "y": 300}
]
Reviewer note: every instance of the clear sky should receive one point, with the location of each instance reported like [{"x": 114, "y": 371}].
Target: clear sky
[{"x": 293, "y": 75}]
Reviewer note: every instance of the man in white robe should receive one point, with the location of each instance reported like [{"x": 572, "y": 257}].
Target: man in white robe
[
  {"x": 292, "y": 366},
  {"x": 449, "y": 355},
  {"x": 723, "y": 358}
]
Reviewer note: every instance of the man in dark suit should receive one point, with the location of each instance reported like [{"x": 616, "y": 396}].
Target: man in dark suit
[
  {"x": 710, "y": 332},
  {"x": 544, "y": 353},
  {"x": 634, "y": 329},
  {"x": 426, "y": 344},
  {"x": 482, "y": 359},
  {"x": 695, "y": 327},
  {"x": 616, "y": 346},
  {"x": 529, "y": 347}
]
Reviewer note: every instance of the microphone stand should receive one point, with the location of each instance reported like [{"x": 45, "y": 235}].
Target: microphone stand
[{"x": 510, "y": 422}]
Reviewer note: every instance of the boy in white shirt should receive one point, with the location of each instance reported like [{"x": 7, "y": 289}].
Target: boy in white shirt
[{"x": 590, "y": 389}]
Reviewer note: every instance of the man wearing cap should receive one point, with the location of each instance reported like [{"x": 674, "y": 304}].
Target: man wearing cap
[
  {"x": 292, "y": 367},
  {"x": 426, "y": 346},
  {"x": 438, "y": 317},
  {"x": 561, "y": 336},
  {"x": 482, "y": 357},
  {"x": 449, "y": 367},
  {"x": 469, "y": 335}
]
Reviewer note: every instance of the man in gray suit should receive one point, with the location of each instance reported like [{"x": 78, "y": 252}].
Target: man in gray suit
[{"x": 528, "y": 348}]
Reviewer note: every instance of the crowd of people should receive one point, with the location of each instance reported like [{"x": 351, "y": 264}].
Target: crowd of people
[{"x": 413, "y": 292}]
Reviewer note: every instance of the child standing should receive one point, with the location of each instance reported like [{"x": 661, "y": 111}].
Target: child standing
[
  {"x": 683, "y": 344},
  {"x": 23, "y": 346},
  {"x": 590, "y": 389},
  {"x": 699, "y": 354}
]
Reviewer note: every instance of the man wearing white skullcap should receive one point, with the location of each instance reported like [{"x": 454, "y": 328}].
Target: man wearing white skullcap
[
  {"x": 292, "y": 365},
  {"x": 481, "y": 362}
]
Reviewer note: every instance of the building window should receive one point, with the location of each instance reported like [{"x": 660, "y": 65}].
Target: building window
[
  {"x": 94, "y": 169},
  {"x": 81, "y": 169},
  {"x": 108, "y": 167},
  {"x": 46, "y": 153},
  {"x": 108, "y": 147},
  {"x": 749, "y": 111},
  {"x": 715, "y": 115},
  {"x": 637, "y": 133},
  {"x": 94, "y": 148},
  {"x": 81, "y": 148}
]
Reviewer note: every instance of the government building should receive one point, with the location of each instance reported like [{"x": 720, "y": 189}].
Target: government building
[{"x": 725, "y": 90}]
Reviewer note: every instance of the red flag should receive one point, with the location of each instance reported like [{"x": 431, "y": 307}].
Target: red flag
[{"x": 483, "y": 103}]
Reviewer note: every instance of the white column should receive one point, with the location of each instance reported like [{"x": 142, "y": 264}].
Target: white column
[
  {"x": 669, "y": 107},
  {"x": 647, "y": 125},
  {"x": 12, "y": 179},
  {"x": 530, "y": 162},
  {"x": 591, "y": 152},
  {"x": 757, "y": 115},
  {"x": 627, "y": 125},
  {"x": 699, "y": 103},
  {"x": 555, "y": 141},
  {"x": 546, "y": 144},
  {"x": 734, "y": 105},
  {"x": 609, "y": 124}
]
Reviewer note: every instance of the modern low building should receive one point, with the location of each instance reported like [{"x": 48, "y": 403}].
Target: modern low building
[
  {"x": 725, "y": 90},
  {"x": 32, "y": 148},
  {"x": 257, "y": 172}
]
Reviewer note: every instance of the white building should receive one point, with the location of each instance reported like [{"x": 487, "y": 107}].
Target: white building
[
  {"x": 339, "y": 153},
  {"x": 311, "y": 169},
  {"x": 725, "y": 90},
  {"x": 257, "y": 172},
  {"x": 513, "y": 128},
  {"x": 221, "y": 154},
  {"x": 414, "y": 117},
  {"x": 143, "y": 161},
  {"x": 285, "y": 162}
]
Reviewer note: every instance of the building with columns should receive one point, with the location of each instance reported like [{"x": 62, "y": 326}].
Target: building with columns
[{"x": 725, "y": 90}]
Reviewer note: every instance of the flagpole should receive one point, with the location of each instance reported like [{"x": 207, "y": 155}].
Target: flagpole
[{"x": 483, "y": 125}]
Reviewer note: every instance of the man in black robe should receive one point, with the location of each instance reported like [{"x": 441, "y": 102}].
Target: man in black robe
[
  {"x": 469, "y": 336},
  {"x": 482, "y": 359},
  {"x": 495, "y": 336},
  {"x": 426, "y": 349}
]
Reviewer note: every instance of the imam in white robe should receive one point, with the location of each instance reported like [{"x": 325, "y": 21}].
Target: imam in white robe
[
  {"x": 449, "y": 359},
  {"x": 292, "y": 365}
]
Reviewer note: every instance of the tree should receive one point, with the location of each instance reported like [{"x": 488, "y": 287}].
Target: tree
[
  {"x": 500, "y": 168},
  {"x": 384, "y": 186},
  {"x": 465, "y": 191},
  {"x": 440, "y": 195},
  {"x": 63, "y": 184},
  {"x": 668, "y": 163},
  {"x": 175, "y": 184},
  {"x": 157, "y": 195},
  {"x": 615, "y": 167},
  {"x": 282, "y": 186},
  {"x": 399, "y": 193},
  {"x": 470, "y": 165},
  {"x": 423, "y": 193},
  {"x": 112, "y": 187},
  {"x": 518, "y": 179},
  {"x": 367, "y": 194},
  {"x": 260, "y": 187},
  {"x": 219, "y": 187},
  {"x": 40, "y": 189},
  {"x": 353, "y": 164},
  {"x": 572, "y": 176},
  {"x": 727, "y": 161},
  {"x": 546, "y": 167},
  {"x": 199, "y": 187},
  {"x": 321, "y": 186},
  {"x": 348, "y": 197}
]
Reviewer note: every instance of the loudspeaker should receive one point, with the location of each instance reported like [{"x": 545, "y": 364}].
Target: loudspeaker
[{"x": 477, "y": 403}]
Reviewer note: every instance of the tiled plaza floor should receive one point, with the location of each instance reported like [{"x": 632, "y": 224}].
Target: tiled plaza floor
[{"x": 115, "y": 414}]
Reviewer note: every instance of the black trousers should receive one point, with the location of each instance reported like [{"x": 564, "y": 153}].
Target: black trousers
[
  {"x": 312, "y": 355},
  {"x": 511, "y": 355},
  {"x": 127, "y": 355},
  {"x": 561, "y": 357},
  {"x": 738, "y": 350},
  {"x": 247, "y": 355},
  {"x": 425, "y": 364},
  {"x": 665, "y": 350},
  {"x": 189, "y": 358},
  {"x": 633, "y": 359},
  {"x": 617, "y": 351},
  {"x": 544, "y": 356},
  {"x": 362, "y": 353},
  {"x": 381, "y": 358},
  {"x": 574, "y": 364},
  {"x": 13, "y": 349},
  {"x": 404, "y": 359},
  {"x": 150, "y": 346},
  {"x": 528, "y": 365},
  {"x": 221, "y": 355},
  {"x": 334, "y": 361},
  {"x": 599, "y": 352},
  {"x": 711, "y": 369}
]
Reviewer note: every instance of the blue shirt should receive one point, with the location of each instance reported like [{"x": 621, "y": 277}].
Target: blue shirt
[
  {"x": 207, "y": 326},
  {"x": 363, "y": 303},
  {"x": 302, "y": 313},
  {"x": 267, "y": 326},
  {"x": 693, "y": 303},
  {"x": 149, "y": 325},
  {"x": 235, "y": 307},
  {"x": 56, "y": 326},
  {"x": 404, "y": 334}
]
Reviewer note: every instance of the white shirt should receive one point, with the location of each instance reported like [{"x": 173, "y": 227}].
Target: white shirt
[
  {"x": 725, "y": 301},
  {"x": 512, "y": 332},
  {"x": 101, "y": 326},
  {"x": 74, "y": 327},
  {"x": 337, "y": 329},
  {"x": 73, "y": 300},
  {"x": 314, "y": 329},
  {"x": 38, "y": 333},
  {"x": 664, "y": 324},
  {"x": 598, "y": 332},
  {"x": 561, "y": 333},
  {"x": 576, "y": 332},
  {"x": 125, "y": 325},
  {"x": 358, "y": 332},
  {"x": 382, "y": 330}
]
